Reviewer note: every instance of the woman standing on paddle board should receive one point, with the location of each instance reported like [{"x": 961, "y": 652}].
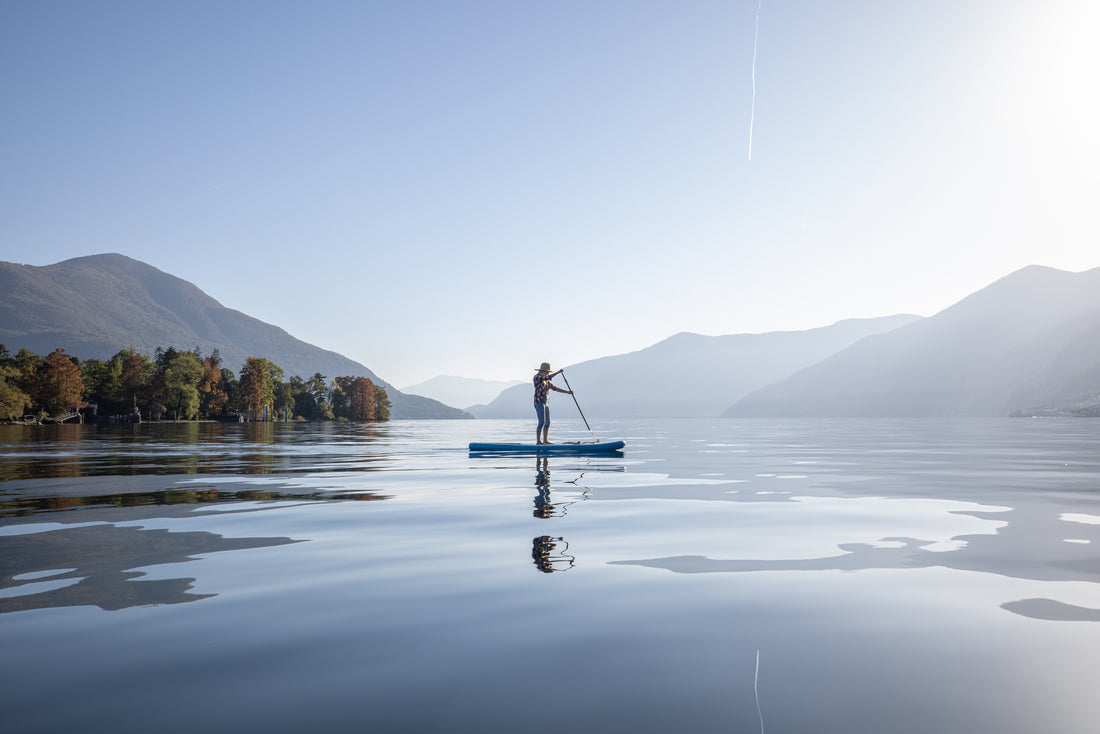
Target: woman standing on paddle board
[{"x": 543, "y": 386}]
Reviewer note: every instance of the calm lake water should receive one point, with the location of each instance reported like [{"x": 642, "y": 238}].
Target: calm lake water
[{"x": 718, "y": 576}]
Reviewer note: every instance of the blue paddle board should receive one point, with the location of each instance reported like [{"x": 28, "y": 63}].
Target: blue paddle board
[{"x": 550, "y": 448}]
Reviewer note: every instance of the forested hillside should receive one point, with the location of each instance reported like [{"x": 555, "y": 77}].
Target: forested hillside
[{"x": 94, "y": 306}]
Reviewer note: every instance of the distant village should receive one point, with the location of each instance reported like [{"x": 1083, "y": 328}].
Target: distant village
[{"x": 174, "y": 385}]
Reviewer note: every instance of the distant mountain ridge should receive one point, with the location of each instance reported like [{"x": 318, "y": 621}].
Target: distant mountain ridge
[
  {"x": 1028, "y": 343},
  {"x": 459, "y": 391},
  {"x": 691, "y": 375},
  {"x": 96, "y": 305}
]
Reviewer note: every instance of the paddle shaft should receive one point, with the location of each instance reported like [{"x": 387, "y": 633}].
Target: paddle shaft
[{"x": 575, "y": 402}]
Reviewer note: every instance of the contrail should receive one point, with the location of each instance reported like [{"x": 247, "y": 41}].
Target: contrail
[
  {"x": 752, "y": 113},
  {"x": 756, "y": 690}
]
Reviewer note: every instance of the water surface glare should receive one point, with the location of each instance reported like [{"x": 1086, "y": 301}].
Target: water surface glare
[{"x": 717, "y": 576}]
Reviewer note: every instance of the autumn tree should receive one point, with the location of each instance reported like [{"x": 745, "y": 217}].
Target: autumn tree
[
  {"x": 212, "y": 393},
  {"x": 356, "y": 398},
  {"x": 58, "y": 386},
  {"x": 119, "y": 383},
  {"x": 259, "y": 378},
  {"x": 359, "y": 399},
  {"x": 136, "y": 372}
]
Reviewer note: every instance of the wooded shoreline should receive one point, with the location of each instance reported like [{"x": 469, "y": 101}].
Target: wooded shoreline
[{"x": 180, "y": 386}]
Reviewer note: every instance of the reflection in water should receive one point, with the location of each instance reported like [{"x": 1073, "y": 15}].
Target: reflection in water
[
  {"x": 544, "y": 549},
  {"x": 1026, "y": 545},
  {"x": 1052, "y": 611},
  {"x": 545, "y": 508},
  {"x": 97, "y": 563},
  {"x": 548, "y": 558},
  {"x": 358, "y": 627},
  {"x": 22, "y": 506},
  {"x": 756, "y": 691},
  {"x": 69, "y": 451}
]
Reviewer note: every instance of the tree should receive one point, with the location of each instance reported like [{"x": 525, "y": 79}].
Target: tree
[
  {"x": 212, "y": 389},
  {"x": 300, "y": 397},
  {"x": 163, "y": 357},
  {"x": 381, "y": 404},
  {"x": 338, "y": 398},
  {"x": 136, "y": 379},
  {"x": 96, "y": 374},
  {"x": 13, "y": 401},
  {"x": 319, "y": 392},
  {"x": 26, "y": 365},
  {"x": 284, "y": 400},
  {"x": 182, "y": 374},
  {"x": 359, "y": 399},
  {"x": 59, "y": 385},
  {"x": 259, "y": 378},
  {"x": 232, "y": 388}
]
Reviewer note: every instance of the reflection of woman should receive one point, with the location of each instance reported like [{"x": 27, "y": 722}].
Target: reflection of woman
[
  {"x": 543, "y": 507},
  {"x": 543, "y": 547},
  {"x": 542, "y": 550}
]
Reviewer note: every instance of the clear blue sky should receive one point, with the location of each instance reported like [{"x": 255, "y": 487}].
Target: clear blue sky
[{"x": 473, "y": 187}]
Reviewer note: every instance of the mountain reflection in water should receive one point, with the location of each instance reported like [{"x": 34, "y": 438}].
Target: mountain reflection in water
[
  {"x": 99, "y": 563},
  {"x": 96, "y": 562}
]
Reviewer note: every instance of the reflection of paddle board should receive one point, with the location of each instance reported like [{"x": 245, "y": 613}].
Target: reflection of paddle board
[{"x": 550, "y": 448}]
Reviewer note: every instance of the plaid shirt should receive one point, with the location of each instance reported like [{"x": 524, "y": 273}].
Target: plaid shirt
[{"x": 542, "y": 388}]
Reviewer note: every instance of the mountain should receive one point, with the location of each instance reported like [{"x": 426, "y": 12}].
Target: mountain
[
  {"x": 94, "y": 306},
  {"x": 459, "y": 391},
  {"x": 1028, "y": 342},
  {"x": 690, "y": 375}
]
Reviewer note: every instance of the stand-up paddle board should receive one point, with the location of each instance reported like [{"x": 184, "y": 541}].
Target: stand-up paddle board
[{"x": 549, "y": 448}]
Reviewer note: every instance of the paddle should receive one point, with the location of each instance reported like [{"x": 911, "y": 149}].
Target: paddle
[{"x": 577, "y": 404}]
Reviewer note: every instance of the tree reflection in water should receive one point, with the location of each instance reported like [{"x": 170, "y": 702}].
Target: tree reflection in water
[{"x": 24, "y": 506}]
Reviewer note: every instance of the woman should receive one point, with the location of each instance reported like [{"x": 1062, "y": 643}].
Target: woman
[{"x": 543, "y": 386}]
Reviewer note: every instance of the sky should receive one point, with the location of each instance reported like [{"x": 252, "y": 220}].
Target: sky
[{"x": 473, "y": 187}]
